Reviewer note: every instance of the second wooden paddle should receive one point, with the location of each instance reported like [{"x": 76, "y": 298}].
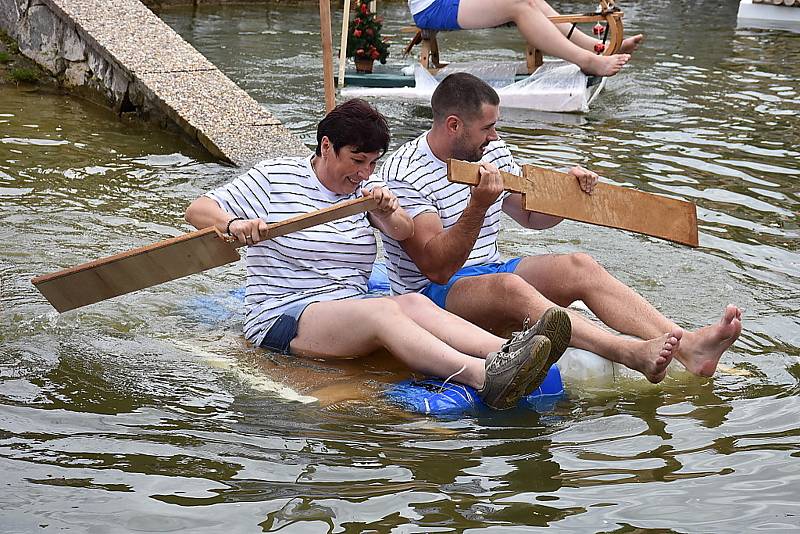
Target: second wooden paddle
[{"x": 166, "y": 260}]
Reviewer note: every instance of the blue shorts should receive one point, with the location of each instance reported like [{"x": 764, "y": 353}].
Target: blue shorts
[
  {"x": 284, "y": 329},
  {"x": 438, "y": 292},
  {"x": 440, "y": 15}
]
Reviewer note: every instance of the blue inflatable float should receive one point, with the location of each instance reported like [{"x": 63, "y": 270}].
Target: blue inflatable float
[{"x": 429, "y": 396}]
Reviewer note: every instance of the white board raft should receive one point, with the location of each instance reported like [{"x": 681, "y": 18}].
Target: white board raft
[
  {"x": 768, "y": 16},
  {"x": 345, "y": 381},
  {"x": 556, "y": 86}
]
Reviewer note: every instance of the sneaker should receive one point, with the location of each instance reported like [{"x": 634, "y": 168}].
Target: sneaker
[
  {"x": 510, "y": 373},
  {"x": 555, "y": 324}
]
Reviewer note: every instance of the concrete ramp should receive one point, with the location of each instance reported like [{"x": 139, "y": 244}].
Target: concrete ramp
[{"x": 139, "y": 64}]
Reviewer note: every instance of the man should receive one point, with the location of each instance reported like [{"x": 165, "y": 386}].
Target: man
[
  {"x": 306, "y": 292},
  {"x": 453, "y": 258},
  {"x": 531, "y": 19}
]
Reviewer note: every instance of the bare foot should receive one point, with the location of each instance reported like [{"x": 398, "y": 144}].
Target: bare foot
[
  {"x": 652, "y": 357},
  {"x": 605, "y": 65},
  {"x": 630, "y": 44},
  {"x": 701, "y": 350}
]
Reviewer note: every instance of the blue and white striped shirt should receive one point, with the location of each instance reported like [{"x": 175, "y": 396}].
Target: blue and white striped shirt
[
  {"x": 419, "y": 179},
  {"x": 331, "y": 261}
]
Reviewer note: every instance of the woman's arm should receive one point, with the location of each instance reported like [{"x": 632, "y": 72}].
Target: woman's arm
[
  {"x": 205, "y": 212},
  {"x": 388, "y": 216}
]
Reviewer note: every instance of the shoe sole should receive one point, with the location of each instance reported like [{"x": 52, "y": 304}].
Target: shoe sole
[
  {"x": 556, "y": 325},
  {"x": 528, "y": 371}
]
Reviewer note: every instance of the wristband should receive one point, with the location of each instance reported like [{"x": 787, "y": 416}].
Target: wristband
[{"x": 228, "y": 227}]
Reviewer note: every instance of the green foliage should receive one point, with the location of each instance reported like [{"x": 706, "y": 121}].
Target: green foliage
[
  {"x": 4, "y": 57},
  {"x": 364, "y": 40},
  {"x": 24, "y": 75}
]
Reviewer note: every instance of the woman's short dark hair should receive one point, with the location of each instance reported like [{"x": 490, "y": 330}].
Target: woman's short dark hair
[
  {"x": 357, "y": 124},
  {"x": 461, "y": 94}
]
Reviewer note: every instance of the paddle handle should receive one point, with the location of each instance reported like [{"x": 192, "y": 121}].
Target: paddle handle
[{"x": 338, "y": 211}]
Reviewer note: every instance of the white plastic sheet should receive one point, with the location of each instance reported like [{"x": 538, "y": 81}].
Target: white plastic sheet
[{"x": 556, "y": 86}]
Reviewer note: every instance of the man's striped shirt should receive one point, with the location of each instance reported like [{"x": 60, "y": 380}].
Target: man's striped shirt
[
  {"x": 331, "y": 261},
  {"x": 419, "y": 179}
]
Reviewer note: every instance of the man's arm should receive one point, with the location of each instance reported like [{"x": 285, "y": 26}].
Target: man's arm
[
  {"x": 514, "y": 208},
  {"x": 439, "y": 253}
]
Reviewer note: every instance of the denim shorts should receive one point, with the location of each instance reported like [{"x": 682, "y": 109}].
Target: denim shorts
[
  {"x": 440, "y": 15},
  {"x": 284, "y": 329},
  {"x": 438, "y": 292}
]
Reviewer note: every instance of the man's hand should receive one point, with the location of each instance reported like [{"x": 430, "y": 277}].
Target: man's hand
[
  {"x": 387, "y": 202},
  {"x": 586, "y": 178},
  {"x": 489, "y": 188}
]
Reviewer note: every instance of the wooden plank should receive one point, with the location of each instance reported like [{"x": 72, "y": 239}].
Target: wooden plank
[
  {"x": 327, "y": 54},
  {"x": 559, "y": 194},
  {"x": 166, "y": 260}
]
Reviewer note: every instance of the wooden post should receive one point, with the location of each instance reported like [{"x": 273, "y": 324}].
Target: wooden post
[
  {"x": 327, "y": 53},
  {"x": 343, "y": 45}
]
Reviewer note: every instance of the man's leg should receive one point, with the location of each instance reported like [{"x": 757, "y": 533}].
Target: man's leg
[
  {"x": 565, "y": 278},
  {"x": 497, "y": 301},
  {"x": 537, "y": 30}
]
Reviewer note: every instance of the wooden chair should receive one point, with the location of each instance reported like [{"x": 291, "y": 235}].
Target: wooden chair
[{"x": 608, "y": 13}]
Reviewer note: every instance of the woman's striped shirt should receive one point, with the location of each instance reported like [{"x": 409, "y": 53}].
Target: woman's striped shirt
[
  {"x": 419, "y": 179},
  {"x": 331, "y": 261}
]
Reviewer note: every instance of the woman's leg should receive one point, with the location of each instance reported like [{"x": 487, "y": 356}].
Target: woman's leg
[
  {"x": 537, "y": 30},
  {"x": 357, "y": 327},
  {"x": 450, "y": 328}
]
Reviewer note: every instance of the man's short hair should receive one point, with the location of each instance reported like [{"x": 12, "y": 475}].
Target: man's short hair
[
  {"x": 357, "y": 124},
  {"x": 461, "y": 94}
]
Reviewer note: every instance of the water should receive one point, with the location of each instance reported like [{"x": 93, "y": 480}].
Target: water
[{"x": 142, "y": 414}]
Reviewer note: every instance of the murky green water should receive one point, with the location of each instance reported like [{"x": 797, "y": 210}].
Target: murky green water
[{"x": 141, "y": 414}]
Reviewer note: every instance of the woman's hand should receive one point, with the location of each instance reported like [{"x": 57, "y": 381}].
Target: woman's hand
[
  {"x": 387, "y": 201},
  {"x": 247, "y": 231}
]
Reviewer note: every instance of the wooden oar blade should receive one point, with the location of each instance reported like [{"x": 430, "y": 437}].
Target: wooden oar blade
[
  {"x": 557, "y": 193},
  {"x": 167, "y": 260},
  {"x": 135, "y": 269}
]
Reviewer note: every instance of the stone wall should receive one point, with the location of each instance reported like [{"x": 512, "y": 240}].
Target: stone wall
[{"x": 118, "y": 53}]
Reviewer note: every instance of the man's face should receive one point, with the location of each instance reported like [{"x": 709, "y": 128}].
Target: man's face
[
  {"x": 475, "y": 133},
  {"x": 348, "y": 168}
]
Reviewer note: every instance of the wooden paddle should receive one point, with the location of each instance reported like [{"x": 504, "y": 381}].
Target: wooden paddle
[
  {"x": 557, "y": 193},
  {"x": 167, "y": 260}
]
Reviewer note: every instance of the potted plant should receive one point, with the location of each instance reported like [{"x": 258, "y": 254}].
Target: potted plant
[{"x": 364, "y": 41}]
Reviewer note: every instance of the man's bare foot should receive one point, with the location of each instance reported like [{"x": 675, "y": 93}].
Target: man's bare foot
[
  {"x": 630, "y": 44},
  {"x": 652, "y": 357},
  {"x": 701, "y": 350},
  {"x": 604, "y": 65}
]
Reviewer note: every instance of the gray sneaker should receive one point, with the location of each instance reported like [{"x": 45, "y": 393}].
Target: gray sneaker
[
  {"x": 510, "y": 373},
  {"x": 555, "y": 324}
]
